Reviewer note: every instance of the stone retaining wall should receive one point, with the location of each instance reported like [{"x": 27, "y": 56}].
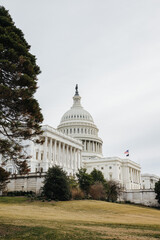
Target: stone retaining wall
[
  {"x": 31, "y": 182},
  {"x": 140, "y": 196}
]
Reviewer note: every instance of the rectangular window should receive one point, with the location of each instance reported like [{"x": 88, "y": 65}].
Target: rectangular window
[
  {"x": 36, "y": 155},
  {"x": 41, "y": 156}
]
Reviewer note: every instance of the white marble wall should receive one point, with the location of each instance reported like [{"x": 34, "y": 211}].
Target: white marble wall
[
  {"x": 57, "y": 149},
  {"x": 31, "y": 182},
  {"x": 145, "y": 197},
  {"x": 149, "y": 180},
  {"x": 124, "y": 171}
]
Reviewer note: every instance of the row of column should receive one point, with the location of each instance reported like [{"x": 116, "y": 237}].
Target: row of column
[
  {"x": 92, "y": 146},
  {"x": 62, "y": 154},
  {"x": 134, "y": 175}
]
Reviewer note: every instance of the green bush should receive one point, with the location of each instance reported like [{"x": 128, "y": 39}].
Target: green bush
[
  {"x": 20, "y": 193},
  {"x": 56, "y": 184},
  {"x": 97, "y": 176},
  {"x": 113, "y": 190},
  {"x": 157, "y": 190},
  {"x": 85, "y": 180}
]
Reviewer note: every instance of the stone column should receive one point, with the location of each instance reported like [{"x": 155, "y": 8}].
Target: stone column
[
  {"x": 89, "y": 146},
  {"x": 77, "y": 163},
  {"x": 80, "y": 158},
  {"x": 59, "y": 154},
  {"x": 132, "y": 175},
  {"x": 67, "y": 156},
  {"x": 50, "y": 150},
  {"x": 55, "y": 151},
  {"x": 70, "y": 157},
  {"x": 74, "y": 159},
  {"x": 45, "y": 162},
  {"x": 63, "y": 156},
  {"x": 45, "y": 150},
  {"x": 93, "y": 147},
  {"x": 84, "y": 145}
]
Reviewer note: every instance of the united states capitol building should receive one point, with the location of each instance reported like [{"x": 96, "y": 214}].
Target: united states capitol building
[{"x": 75, "y": 144}]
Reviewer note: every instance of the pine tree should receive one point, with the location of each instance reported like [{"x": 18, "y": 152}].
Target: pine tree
[
  {"x": 97, "y": 176},
  {"x": 84, "y": 179},
  {"x": 20, "y": 114},
  {"x": 56, "y": 184}
]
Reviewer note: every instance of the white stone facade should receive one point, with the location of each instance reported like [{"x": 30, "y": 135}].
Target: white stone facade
[
  {"x": 57, "y": 149},
  {"x": 124, "y": 171},
  {"x": 149, "y": 180}
]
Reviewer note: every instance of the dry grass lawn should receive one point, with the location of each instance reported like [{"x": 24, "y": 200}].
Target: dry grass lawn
[{"x": 80, "y": 220}]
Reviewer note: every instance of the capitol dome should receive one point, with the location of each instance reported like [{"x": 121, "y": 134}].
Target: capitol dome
[
  {"x": 77, "y": 112},
  {"x": 79, "y": 124}
]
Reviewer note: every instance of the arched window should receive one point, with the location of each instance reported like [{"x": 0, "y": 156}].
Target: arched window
[
  {"x": 81, "y": 130},
  {"x": 67, "y": 131},
  {"x": 74, "y": 130},
  {"x": 85, "y": 130},
  {"x": 78, "y": 130},
  {"x": 71, "y": 130}
]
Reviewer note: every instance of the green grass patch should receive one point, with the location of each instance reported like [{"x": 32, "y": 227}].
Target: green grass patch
[
  {"x": 75, "y": 220},
  {"x": 14, "y": 200},
  {"x": 11, "y": 232}
]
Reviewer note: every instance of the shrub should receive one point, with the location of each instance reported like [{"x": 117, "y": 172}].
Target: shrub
[
  {"x": 56, "y": 184},
  {"x": 157, "y": 190},
  {"x": 73, "y": 183},
  {"x": 77, "y": 194},
  {"x": 97, "y": 176},
  {"x": 4, "y": 175},
  {"x": 97, "y": 191},
  {"x": 113, "y": 190},
  {"x": 84, "y": 179},
  {"x": 20, "y": 193}
]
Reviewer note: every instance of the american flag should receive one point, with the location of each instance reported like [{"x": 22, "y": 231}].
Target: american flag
[{"x": 126, "y": 152}]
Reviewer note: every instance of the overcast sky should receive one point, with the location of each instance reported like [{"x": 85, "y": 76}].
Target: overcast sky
[{"x": 111, "y": 49}]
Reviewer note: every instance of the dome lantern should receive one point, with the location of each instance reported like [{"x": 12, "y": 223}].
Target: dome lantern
[{"x": 76, "y": 98}]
